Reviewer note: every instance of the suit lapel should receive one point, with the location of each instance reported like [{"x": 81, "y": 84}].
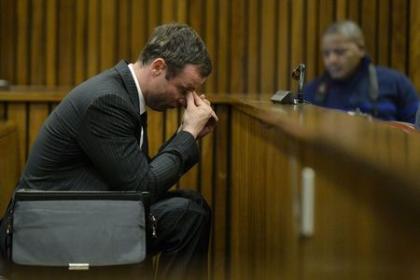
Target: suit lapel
[
  {"x": 125, "y": 73},
  {"x": 130, "y": 85}
]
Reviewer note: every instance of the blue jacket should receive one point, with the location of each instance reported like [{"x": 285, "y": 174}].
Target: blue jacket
[{"x": 397, "y": 96}]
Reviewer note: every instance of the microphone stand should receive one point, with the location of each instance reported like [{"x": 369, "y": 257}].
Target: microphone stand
[
  {"x": 299, "y": 75},
  {"x": 287, "y": 97}
]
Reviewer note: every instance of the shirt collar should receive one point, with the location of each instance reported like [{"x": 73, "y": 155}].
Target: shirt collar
[{"x": 141, "y": 98}]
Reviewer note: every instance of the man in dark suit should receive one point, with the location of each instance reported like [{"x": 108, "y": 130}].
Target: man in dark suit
[{"x": 96, "y": 140}]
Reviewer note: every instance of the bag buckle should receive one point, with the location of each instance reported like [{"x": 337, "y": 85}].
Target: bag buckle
[{"x": 153, "y": 221}]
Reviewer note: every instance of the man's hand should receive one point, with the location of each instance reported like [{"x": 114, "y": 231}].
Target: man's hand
[
  {"x": 199, "y": 118},
  {"x": 211, "y": 123}
]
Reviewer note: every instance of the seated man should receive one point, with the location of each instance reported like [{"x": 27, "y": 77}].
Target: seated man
[
  {"x": 96, "y": 139},
  {"x": 352, "y": 83}
]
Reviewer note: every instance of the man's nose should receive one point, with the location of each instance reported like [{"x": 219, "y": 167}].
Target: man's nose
[{"x": 331, "y": 58}]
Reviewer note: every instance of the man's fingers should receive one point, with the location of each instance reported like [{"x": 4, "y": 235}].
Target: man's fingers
[
  {"x": 198, "y": 101},
  {"x": 190, "y": 98},
  {"x": 214, "y": 116}
]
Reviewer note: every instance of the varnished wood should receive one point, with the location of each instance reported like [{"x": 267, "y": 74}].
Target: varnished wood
[
  {"x": 253, "y": 44},
  {"x": 414, "y": 52},
  {"x": 399, "y": 30},
  {"x": 9, "y": 163},
  {"x": 367, "y": 186},
  {"x": 267, "y": 47}
]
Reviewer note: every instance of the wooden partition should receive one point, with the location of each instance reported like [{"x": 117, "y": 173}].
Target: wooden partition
[
  {"x": 366, "y": 186},
  {"x": 254, "y": 44},
  {"x": 366, "y": 195},
  {"x": 9, "y": 162}
]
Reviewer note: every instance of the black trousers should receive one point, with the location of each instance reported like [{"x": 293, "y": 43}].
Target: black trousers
[{"x": 183, "y": 230}]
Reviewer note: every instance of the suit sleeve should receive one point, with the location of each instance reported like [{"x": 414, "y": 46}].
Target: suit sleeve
[{"x": 107, "y": 136}]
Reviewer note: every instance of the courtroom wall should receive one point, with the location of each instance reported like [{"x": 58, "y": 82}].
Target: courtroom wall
[{"x": 253, "y": 43}]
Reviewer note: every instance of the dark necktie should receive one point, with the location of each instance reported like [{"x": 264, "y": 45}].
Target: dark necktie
[{"x": 143, "y": 121}]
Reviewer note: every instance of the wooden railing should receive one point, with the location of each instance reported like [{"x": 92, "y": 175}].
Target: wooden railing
[{"x": 258, "y": 170}]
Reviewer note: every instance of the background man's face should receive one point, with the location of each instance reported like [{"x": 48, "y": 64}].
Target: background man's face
[{"x": 341, "y": 55}]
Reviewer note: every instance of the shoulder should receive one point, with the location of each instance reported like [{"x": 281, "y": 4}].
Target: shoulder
[
  {"x": 105, "y": 84},
  {"x": 391, "y": 78},
  {"x": 390, "y": 75}
]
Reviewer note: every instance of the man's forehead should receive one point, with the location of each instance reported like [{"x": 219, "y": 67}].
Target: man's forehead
[
  {"x": 190, "y": 76},
  {"x": 337, "y": 39}
]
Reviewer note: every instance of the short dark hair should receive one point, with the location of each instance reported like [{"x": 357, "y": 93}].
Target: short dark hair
[
  {"x": 349, "y": 29},
  {"x": 179, "y": 45}
]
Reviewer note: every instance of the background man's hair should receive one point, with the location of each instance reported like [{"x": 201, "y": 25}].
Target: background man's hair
[
  {"x": 179, "y": 45},
  {"x": 348, "y": 29}
]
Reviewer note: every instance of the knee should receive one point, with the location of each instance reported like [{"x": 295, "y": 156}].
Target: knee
[
  {"x": 196, "y": 206},
  {"x": 197, "y": 201}
]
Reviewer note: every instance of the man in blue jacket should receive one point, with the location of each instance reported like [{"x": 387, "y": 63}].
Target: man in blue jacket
[{"x": 352, "y": 83}]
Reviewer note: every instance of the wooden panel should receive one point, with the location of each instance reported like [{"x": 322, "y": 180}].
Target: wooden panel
[
  {"x": 254, "y": 177},
  {"x": 211, "y": 42},
  {"x": 108, "y": 37},
  {"x": 399, "y": 33},
  {"x": 51, "y": 43},
  {"x": 9, "y": 163},
  {"x": 37, "y": 44},
  {"x": 123, "y": 33},
  {"x": 263, "y": 238},
  {"x": 139, "y": 27},
  {"x": 194, "y": 16},
  {"x": 93, "y": 38},
  {"x": 358, "y": 223},
  {"x": 341, "y": 9},
  {"x": 368, "y": 25},
  {"x": 17, "y": 114},
  {"x": 414, "y": 52},
  {"x": 252, "y": 44},
  {"x": 65, "y": 42},
  {"x": 221, "y": 189},
  {"x": 155, "y": 130},
  {"x": 22, "y": 47},
  {"x": 283, "y": 35},
  {"x": 383, "y": 54},
  {"x": 238, "y": 58},
  {"x": 3, "y": 111},
  {"x": 80, "y": 40},
  {"x": 223, "y": 39},
  {"x": 267, "y": 47},
  {"x": 8, "y": 40},
  {"x": 354, "y": 10},
  {"x": 152, "y": 15},
  {"x": 181, "y": 12}
]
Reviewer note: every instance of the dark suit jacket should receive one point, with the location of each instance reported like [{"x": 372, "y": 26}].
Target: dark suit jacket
[{"x": 91, "y": 142}]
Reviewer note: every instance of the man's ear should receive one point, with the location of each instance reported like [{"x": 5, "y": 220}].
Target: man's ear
[{"x": 158, "y": 66}]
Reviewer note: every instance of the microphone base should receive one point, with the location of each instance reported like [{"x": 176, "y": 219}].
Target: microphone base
[{"x": 283, "y": 97}]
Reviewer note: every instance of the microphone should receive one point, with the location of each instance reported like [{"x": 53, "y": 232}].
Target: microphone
[
  {"x": 299, "y": 75},
  {"x": 287, "y": 97}
]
